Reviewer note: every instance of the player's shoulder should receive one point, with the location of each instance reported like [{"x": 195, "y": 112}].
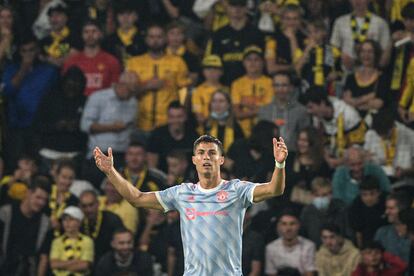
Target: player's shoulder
[{"x": 235, "y": 184}]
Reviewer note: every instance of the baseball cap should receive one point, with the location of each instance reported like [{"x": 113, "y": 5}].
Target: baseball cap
[
  {"x": 212, "y": 61},
  {"x": 73, "y": 212},
  {"x": 57, "y": 8},
  {"x": 237, "y": 2},
  {"x": 252, "y": 49}
]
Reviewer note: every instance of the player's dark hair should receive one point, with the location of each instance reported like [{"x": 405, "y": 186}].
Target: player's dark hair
[
  {"x": 208, "y": 139},
  {"x": 369, "y": 183}
]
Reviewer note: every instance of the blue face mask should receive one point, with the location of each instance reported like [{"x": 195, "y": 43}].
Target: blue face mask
[
  {"x": 219, "y": 116},
  {"x": 321, "y": 202}
]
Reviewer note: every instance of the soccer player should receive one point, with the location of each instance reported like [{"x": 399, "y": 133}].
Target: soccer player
[{"x": 211, "y": 211}]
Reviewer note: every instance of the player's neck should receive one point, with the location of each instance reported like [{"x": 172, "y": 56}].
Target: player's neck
[{"x": 210, "y": 182}]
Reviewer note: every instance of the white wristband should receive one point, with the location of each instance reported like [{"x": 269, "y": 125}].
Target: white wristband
[{"x": 280, "y": 165}]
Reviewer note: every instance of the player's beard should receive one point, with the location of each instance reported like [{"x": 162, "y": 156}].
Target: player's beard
[{"x": 207, "y": 174}]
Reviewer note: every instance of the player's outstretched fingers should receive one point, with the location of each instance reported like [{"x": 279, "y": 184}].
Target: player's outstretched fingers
[{"x": 110, "y": 152}]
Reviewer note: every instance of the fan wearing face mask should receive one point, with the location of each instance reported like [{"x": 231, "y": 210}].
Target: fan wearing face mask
[{"x": 323, "y": 209}]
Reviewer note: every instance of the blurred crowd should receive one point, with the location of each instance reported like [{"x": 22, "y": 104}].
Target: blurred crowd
[{"x": 334, "y": 78}]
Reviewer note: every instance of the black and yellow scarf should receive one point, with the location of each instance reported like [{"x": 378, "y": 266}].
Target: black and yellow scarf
[
  {"x": 390, "y": 147},
  {"x": 360, "y": 35},
  {"x": 127, "y": 38},
  {"x": 87, "y": 227},
  {"x": 56, "y": 49},
  {"x": 228, "y": 134},
  {"x": 72, "y": 248}
]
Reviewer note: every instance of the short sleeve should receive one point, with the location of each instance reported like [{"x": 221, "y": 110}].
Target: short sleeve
[
  {"x": 245, "y": 191},
  {"x": 168, "y": 198}
]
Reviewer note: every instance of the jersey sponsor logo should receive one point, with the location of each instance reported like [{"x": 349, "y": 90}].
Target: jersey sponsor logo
[
  {"x": 192, "y": 213},
  {"x": 222, "y": 196}
]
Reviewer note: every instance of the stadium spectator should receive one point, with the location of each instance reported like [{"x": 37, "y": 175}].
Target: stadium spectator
[
  {"x": 8, "y": 36},
  {"x": 178, "y": 168},
  {"x": 253, "y": 249}
]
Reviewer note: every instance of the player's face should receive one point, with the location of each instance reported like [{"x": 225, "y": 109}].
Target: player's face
[
  {"x": 156, "y": 39},
  {"x": 330, "y": 240},
  {"x": 288, "y": 227},
  {"x": 91, "y": 35},
  {"x": 370, "y": 197},
  {"x": 64, "y": 179},
  {"x": 253, "y": 64},
  {"x": 391, "y": 210},
  {"x": 207, "y": 159},
  {"x": 123, "y": 244}
]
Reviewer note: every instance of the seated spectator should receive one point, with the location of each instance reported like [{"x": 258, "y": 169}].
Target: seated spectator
[
  {"x": 100, "y": 68},
  {"x": 323, "y": 210},
  {"x": 320, "y": 64},
  {"x": 212, "y": 70},
  {"x": 60, "y": 196},
  {"x": 230, "y": 41},
  {"x": 377, "y": 261},
  {"x": 337, "y": 255},
  {"x": 25, "y": 84},
  {"x": 58, "y": 120},
  {"x": 347, "y": 36},
  {"x": 290, "y": 250},
  {"x": 160, "y": 76},
  {"x": 252, "y": 90},
  {"x": 176, "y": 45},
  {"x": 179, "y": 169},
  {"x": 366, "y": 213},
  {"x": 124, "y": 258},
  {"x": 365, "y": 89},
  {"x": 347, "y": 177},
  {"x": 390, "y": 144},
  {"x": 394, "y": 237},
  {"x": 177, "y": 134},
  {"x": 285, "y": 46},
  {"x": 253, "y": 248},
  {"x": 72, "y": 252},
  {"x": 338, "y": 121},
  {"x": 128, "y": 40},
  {"x": 24, "y": 231},
  {"x": 304, "y": 165},
  {"x": 97, "y": 224},
  {"x": 61, "y": 41},
  {"x": 14, "y": 187},
  {"x": 221, "y": 122},
  {"x": 251, "y": 158},
  {"x": 108, "y": 119},
  {"x": 113, "y": 202},
  {"x": 285, "y": 111}
]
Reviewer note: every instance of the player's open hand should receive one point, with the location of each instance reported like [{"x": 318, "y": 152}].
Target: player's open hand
[
  {"x": 280, "y": 150},
  {"x": 103, "y": 162}
]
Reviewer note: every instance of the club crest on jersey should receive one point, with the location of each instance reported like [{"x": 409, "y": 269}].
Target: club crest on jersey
[
  {"x": 190, "y": 213},
  {"x": 222, "y": 196}
]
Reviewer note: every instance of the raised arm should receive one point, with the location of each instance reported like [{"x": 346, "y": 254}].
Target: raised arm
[
  {"x": 276, "y": 186},
  {"x": 128, "y": 191}
]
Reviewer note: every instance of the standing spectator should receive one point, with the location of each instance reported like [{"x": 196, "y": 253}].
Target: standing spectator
[
  {"x": 230, "y": 41},
  {"x": 351, "y": 29},
  {"x": 338, "y": 121},
  {"x": 337, "y": 255},
  {"x": 178, "y": 168},
  {"x": 290, "y": 250},
  {"x": 366, "y": 213},
  {"x": 176, "y": 134},
  {"x": 285, "y": 111},
  {"x": 123, "y": 258},
  {"x": 100, "y": 68},
  {"x": 201, "y": 96},
  {"x": 323, "y": 210},
  {"x": 252, "y": 90},
  {"x": 58, "y": 119},
  {"x": 61, "y": 42},
  {"x": 108, "y": 119},
  {"x": 221, "y": 122},
  {"x": 390, "y": 144},
  {"x": 97, "y": 224},
  {"x": 285, "y": 47},
  {"x": 72, "y": 252},
  {"x": 23, "y": 228},
  {"x": 347, "y": 177},
  {"x": 25, "y": 84},
  {"x": 160, "y": 75},
  {"x": 128, "y": 40},
  {"x": 41, "y": 27},
  {"x": 394, "y": 237},
  {"x": 376, "y": 261},
  {"x": 113, "y": 202}
]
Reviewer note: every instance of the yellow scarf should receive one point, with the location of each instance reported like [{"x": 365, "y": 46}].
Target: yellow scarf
[
  {"x": 86, "y": 226},
  {"x": 319, "y": 78},
  {"x": 340, "y": 135},
  {"x": 397, "y": 72},
  {"x": 72, "y": 248},
  {"x": 57, "y": 209},
  {"x": 180, "y": 52},
  {"x": 360, "y": 36},
  {"x": 228, "y": 135},
  {"x": 128, "y": 36},
  {"x": 56, "y": 49},
  {"x": 390, "y": 147}
]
